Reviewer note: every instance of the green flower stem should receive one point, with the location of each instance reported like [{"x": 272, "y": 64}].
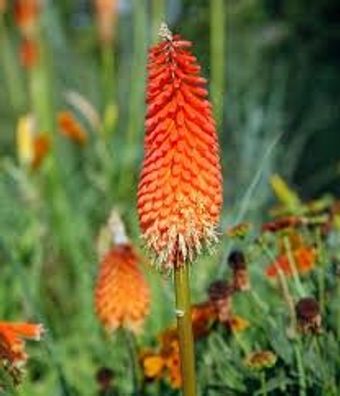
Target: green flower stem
[
  {"x": 217, "y": 46},
  {"x": 108, "y": 87},
  {"x": 133, "y": 355},
  {"x": 263, "y": 383},
  {"x": 11, "y": 69},
  {"x": 186, "y": 341},
  {"x": 300, "y": 369},
  {"x": 300, "y": 289},
  {"x": 284, "y": 289}
]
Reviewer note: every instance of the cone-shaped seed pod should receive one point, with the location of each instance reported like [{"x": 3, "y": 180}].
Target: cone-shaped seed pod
[{"x": 180, "y": 188}]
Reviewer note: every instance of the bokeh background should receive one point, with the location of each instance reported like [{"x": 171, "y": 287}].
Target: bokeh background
[{"x": 273, "y": 68}]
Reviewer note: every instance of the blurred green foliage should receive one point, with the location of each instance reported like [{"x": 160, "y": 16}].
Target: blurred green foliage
[{"x": 279, "y": 113}]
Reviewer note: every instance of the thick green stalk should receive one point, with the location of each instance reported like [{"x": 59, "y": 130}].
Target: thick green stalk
[
  {"x": 158, "y": 16},
  {"x": 184, "y": 326},
  {"x": 217, "y": 56}
]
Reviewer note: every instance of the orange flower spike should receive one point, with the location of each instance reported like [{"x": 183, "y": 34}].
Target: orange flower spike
[
  {"x": 71, "y": 128},
  {"x": 122, "y": 296},
  {"x": 180, "y": 187},
  {"x": 12, "y": 346}
]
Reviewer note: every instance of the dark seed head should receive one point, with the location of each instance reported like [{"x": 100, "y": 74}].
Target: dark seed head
[
  {"x": 307, "y": 308},
  {"x": 236, "y": 260},
  {"x": 219, "y": 290}
]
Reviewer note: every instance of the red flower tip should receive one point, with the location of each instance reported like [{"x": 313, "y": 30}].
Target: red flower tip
[{"x": 180, "y": 187}]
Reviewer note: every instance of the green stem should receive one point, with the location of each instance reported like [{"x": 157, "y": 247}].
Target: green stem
[
  {"x": 300, "y": 369},
  {"x": 11, "y": 70},
  {"x": 158, "y": 16},
  {"x": 217, "y": 45},
  {"x": 263, "y": 383},
  {"x": 108, "y": 87},
  {"x": 186, "y": 341},
  {"x": 300, "y": 289},
  {"x": 132, "y": 349}
]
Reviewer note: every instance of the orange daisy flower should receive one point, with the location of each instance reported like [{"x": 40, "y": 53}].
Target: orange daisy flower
[
  {"x": 12, "y": 344},
  {"x": 71, "y": 128},
  {"x": 304, "y": 258},
  {"x": 180, "y": 187},
  {"x": 122, "y": 296}
]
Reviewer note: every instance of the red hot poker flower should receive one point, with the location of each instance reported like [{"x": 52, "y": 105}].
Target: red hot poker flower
[
  {"x": 180, "y": 187},
  {"x": 12, "y": 344}
]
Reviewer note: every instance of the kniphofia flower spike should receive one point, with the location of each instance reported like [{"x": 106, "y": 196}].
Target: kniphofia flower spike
[
  {"x": 180, "y": 188},
  {"x": 122, "y": 296}
]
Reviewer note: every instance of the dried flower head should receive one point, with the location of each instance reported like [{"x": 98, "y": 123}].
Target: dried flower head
[
  {"x": 308, "y": 315},
  {"x": 237, "y": 260},
  {"x": 122, "y": 296},
  {"x": 105, "y": 377},
  {"x": 260, "y": 360},
  {"x": 12, "y": 345},
  {"x": 220, "y": 294},
  {"x": 203, "y": 316},
  {"x": 180, "y": 187},
  {"x": 71, "y": 128}
]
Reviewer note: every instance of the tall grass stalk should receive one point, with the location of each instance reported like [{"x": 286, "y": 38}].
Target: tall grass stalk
[
  {"x": 136, "y": 97},
  {"x": 108, "y": 86},
  {"x": 184, "y": 326},
  {"x": 13, "y": 77},
  {"x": 217, "y": 55}
]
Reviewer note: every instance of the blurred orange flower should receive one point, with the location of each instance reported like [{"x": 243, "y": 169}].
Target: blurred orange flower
[
  {"x": 3, "y": 6},
  {"x": 71, "y": 128},
  {"x": 166, "y": 363},
  {"x": 238, "y": 324},
  {"x": 41, "y": 147},
  {"x": 106, "y": 14},
  {"x": 26, "y": 13},
  {"x": 180, "y": 187},
  {"x": 12, "y": 344},
  {"x": 304, "y": 259},
  {"x": 29, "y": 53},
  {"x": 122, "y": 296}
]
